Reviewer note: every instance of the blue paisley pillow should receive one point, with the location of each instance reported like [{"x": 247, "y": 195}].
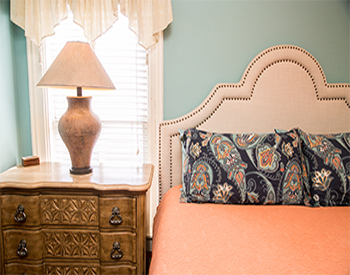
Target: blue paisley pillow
[
  {"x": 244, "y": 168},
  {"x": 326, "y": 165}
]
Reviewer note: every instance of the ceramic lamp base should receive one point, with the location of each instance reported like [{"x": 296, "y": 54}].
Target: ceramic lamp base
[{"x": 79, "y": 128}]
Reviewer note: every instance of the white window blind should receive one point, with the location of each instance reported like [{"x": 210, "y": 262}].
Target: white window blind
[{"x": 123, "y": 112}]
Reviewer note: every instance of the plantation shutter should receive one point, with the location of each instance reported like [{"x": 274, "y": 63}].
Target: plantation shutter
[{"x": 123, "y": 112}]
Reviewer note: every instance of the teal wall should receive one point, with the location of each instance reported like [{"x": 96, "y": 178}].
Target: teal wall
[
  {"x": 15, "y": 137},
  {"x": 213, "y": 41}
]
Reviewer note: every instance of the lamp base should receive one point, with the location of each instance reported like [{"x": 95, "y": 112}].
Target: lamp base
[
  {"x": 79, "y": 129},
  {"x": 80, "y": 171}
]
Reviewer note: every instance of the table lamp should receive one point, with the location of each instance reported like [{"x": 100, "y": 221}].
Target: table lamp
[{"x": 78, "y": 67}]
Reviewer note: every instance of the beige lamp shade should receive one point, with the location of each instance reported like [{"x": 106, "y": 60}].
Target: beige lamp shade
[{"x": 77, "y": 66}]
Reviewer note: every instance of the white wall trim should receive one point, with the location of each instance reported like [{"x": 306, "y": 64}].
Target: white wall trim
[
  {"x": 155, "y": 85},
  {"x": 37, "y": 101}
]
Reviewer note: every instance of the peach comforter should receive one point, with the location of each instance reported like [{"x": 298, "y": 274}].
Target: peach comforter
[{"x": 245, "y": 239}]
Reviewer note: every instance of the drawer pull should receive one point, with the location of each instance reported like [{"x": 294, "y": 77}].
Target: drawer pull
[
  {"x": 116, "y": 252},
  {"x": 20, "y": 216},
  {"x": 22, "y": 249},
  {"x": 115, "y": 218}
]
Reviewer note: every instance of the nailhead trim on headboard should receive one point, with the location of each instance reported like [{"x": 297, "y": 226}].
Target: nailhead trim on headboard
[{"x": 241, "y": 84}]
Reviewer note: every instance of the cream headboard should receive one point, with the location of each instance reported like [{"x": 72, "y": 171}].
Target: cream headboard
[{"x": 283, "y": 87}]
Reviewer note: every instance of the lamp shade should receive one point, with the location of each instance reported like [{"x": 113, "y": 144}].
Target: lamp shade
[{"x": 77, "y": 66}]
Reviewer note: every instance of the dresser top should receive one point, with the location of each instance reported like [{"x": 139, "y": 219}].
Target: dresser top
[{"x": 56, "y": 175}]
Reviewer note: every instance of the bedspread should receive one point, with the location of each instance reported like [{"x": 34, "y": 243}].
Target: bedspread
[{"x": 208, "y": 238}]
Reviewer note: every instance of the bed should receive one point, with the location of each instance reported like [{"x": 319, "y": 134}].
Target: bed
[{"x": 283, "y": 93}]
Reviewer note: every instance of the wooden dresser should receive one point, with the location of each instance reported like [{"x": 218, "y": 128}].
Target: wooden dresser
[{"x": 53, "y": 222}]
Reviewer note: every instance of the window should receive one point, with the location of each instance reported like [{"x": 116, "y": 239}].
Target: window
[{"x": 124, "y": 113}]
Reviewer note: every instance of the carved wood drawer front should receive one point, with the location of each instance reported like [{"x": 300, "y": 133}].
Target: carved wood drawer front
[
  {"x": 118, "y": 212},
  {"x": 13, "y": 214},
  {"x": 72, "y": 210},
  {"x": 126, "y": 252},
  {"x": 72, "y": 268},
  {"x": 22, "y": 268},
  {"x": 71, "y": 244},
  {"x": 16, "y": 249}
]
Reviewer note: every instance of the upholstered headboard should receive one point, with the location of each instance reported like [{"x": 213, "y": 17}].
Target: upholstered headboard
[{"x": 283, "y": 87}]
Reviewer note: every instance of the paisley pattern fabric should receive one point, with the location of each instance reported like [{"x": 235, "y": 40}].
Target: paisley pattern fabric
[
  {"x": 244, "y": 168},
  {"x": 326, "y": 166}
]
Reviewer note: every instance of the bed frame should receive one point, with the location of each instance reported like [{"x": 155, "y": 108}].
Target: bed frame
[{"x": 283, "y": 87}]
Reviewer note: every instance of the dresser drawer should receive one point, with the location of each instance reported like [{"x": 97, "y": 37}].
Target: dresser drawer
[
  {"x": 68, "y": 268},
  {"x": 69, "y": 210},
  {"x": 126, "y": 252},
  {"x": 16, "y": 268},
  {"x": 118, "y": 212},
  {"x": 73, "y": 244},
  {"x": 31, "y": 250},
  {"x": 10, "y": 210}
]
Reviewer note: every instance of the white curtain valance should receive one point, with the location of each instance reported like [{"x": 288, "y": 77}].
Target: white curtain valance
[{"x": 39, "y": 17}]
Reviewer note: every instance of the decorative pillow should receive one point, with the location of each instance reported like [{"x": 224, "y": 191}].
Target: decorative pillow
[
  {"x": 244, "y": 168},
  {"x": 326, "y": 162}
]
